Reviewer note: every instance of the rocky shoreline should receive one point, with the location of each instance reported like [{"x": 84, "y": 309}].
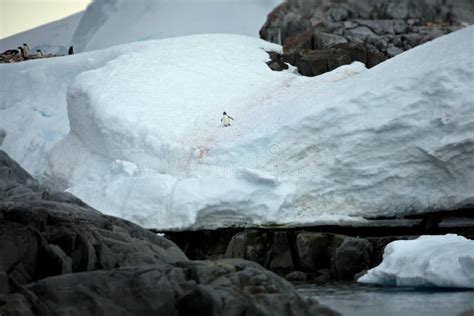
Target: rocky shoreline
[
  {"x": 59, "y": 256},
  {"x": 319, "y": 254}
]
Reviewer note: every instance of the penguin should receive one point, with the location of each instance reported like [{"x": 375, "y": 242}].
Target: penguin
[
  {"x": 11, "y": 52},
  {"x": 71, "y": 50},
  {"x": 39, "y": 53},
  {"x": 26, "y": 51},
  {"x": 21, "y": 52},
  {"x": 226, "y": 119}
]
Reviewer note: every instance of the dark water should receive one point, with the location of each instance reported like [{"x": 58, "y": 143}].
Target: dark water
[{"x": 352, "y": 299}]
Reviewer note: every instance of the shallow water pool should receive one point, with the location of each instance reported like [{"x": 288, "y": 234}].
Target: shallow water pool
[{"x": 353, "y": 299}]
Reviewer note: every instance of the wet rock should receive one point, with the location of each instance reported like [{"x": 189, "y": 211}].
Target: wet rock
[
  {"x": 54, "y": 261},
  {"x": 4, "y": 283},
  {"x": 58, "y": 256},
  {"x": 315, "y": 250},
  {"x": 351, "y": 257},
  {"x": 297, "y": 276},
  {"x": 270, "y": 249}
]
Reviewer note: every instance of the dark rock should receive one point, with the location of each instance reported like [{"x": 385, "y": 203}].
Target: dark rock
[
  {"x": 54, "y": 261},
  {"x": 315, "y": 250},
  {"x": 270, "y": 249},
  {"x": 18, "y": 251},
  {"x": 297, "y": 276},
  {"x": 351, "y": 257},
  {"x": 4, "y": 283},
  {"x": 386, "y": 26},
  {"x": 276, "y": 63},
  {"x": 58, "y": 256}
]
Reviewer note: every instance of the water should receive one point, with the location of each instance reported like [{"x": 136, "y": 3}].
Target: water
[{"x": 352, "y": 299}]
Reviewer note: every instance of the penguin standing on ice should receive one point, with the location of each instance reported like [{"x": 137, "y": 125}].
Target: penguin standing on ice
[
  {"x": 26, "y": 51},
  {"x": 21, "y": 53},
  {"x": 71, "y": 50},
  {"x": 226, "y": 119},
  {"x": 39, "y": 53}
]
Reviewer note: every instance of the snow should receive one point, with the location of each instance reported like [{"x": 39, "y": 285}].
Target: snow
[
  {"x": 51, "y": 38},
  {"x": 107, "y": 23},
  {"x": 428, "y": 261},
  {"x": 110, "y": 22},
  {"x": 134, "y": 130}
]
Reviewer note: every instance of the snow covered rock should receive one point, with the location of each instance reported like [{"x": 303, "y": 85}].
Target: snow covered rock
[{"x": 429, "y": 261}]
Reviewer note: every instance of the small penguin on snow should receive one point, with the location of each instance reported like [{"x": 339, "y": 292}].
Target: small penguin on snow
[
  {"x": 39, "y": 53},
  {"x": 26, "y": 51},
  {"x": 71, "y": 50},
  {"x": 226, "y": 119},
  {"x": 21, "y": 52}
]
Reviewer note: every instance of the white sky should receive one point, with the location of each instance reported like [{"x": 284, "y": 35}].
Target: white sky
[{"x": 20, "y": 15}]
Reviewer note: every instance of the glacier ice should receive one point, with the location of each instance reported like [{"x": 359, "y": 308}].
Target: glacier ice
[
  {"x": 138, "y": 135},
  {"x": 428, "y": 261}
]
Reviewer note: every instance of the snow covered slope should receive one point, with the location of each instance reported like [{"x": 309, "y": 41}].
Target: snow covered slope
[
  {"x": 145, "y": 141},
  {"x": 429, "y": 261},
  {"x": 53, "y": 37},
  {"x": 111, "y": 22}
]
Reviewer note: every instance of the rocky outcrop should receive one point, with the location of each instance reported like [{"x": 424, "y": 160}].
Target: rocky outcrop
[
  {"x": 370, "y": 31},
  {"x": 270, "y": 249},
  {"x": 58, "y": 256}
]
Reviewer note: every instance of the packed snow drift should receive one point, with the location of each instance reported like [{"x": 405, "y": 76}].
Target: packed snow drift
[
  {"x": 104, "y": 20},
  {"x": 429, "y": 261},
  {"x": 135, "y": 131}
]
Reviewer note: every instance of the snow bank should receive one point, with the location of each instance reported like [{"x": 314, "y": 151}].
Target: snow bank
[
  {"x": 53, "y": 37},
  {"x": 111, "y": 22},
  {"x": 144, "y": 141},
  {"x": 429, "y": 261}
]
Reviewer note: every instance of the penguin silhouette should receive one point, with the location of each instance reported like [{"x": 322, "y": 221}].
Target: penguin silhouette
[
  {"x": 26, "y": 51},
  {"x": 226, "y": 119},
  {"x": 71, "y": 50}
]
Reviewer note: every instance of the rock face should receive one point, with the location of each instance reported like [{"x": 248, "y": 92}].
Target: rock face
[
  {"x": 320, "y": 35},
  {"x": 59, "y": 256},
  {"x": 270, "y": 249}
]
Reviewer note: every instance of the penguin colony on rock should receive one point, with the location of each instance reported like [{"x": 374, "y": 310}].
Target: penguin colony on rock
[{"x": 22, "y": 53}]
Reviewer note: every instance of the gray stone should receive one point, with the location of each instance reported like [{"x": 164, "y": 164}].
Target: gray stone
[
  {"x": 351, "y": 257},
  {"x": 58, "y": 256},
  {"x": 315, "y": 250},
  {"x": 384, "y": 25},
  {"x": 297, "y": 276},
  {"x": 4, "y": 283}
]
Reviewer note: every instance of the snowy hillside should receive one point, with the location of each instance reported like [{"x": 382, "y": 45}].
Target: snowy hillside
[
  {"x": 53, "y": 37},
  {"x": 111, "y": 22},
  {"x": 145, "y": 141}
]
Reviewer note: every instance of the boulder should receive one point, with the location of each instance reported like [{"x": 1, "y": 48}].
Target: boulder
[
  {"x": 351, "y": 257},
  {"x": 58, "y": 256},
  {"x": 315, "y": 250},
  {"x": 268, "y": 248}
]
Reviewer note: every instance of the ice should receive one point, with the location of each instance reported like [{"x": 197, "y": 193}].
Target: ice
[
  {"x": 428, "y": 261},
  {"x": 134, "y": 130}
]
